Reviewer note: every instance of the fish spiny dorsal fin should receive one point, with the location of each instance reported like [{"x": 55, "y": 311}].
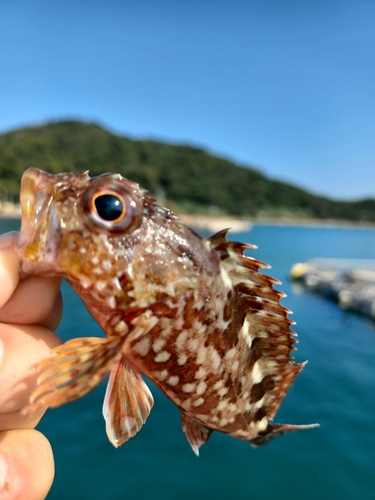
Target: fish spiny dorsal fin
[
  {"x": 127, "y": 403},
  {"x": 266, "y": 369},
  {"x": 196, "y": 433},
  {"x": 222, "y": 246},
  {"x": 73, "y": 370}
]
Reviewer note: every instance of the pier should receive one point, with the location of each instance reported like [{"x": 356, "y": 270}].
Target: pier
[{"x": 349, "y": 282}]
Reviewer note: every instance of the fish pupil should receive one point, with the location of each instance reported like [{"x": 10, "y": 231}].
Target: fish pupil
[{"x": 109, "y": 207}]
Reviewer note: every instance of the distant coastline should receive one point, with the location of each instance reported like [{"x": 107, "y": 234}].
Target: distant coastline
[
  {"x": 328, "y": 223},
  {"x": 218, "y": 222},
  {"x": 9, "y": 210},
  {"x": 237, "y": 224}
]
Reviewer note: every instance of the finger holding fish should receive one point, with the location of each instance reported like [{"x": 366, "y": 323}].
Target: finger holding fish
[
  {"x": 26, "y": 459},
  {"x": 23, "y": 345},
  {"x": 26, "y": 465}
]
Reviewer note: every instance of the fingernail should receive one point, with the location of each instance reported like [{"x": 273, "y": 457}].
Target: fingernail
[
  {"x": 3, "y": 472},
  {"x": 8, "y": 240}
]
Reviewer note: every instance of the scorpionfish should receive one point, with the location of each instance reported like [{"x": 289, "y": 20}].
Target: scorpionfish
[{"x": 194, "y": 315}]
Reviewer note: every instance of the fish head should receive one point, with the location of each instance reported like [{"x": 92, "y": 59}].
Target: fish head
[{"x": 106, "y": 236}]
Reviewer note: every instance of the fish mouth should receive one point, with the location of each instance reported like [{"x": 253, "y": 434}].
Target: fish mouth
[{"x": 40, "y": 232}]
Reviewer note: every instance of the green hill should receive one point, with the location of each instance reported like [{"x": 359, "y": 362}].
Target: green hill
[{"x": 191, "y": 179}]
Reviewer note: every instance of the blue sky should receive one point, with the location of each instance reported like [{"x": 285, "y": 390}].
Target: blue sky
[{"x": 285, "y": 86}]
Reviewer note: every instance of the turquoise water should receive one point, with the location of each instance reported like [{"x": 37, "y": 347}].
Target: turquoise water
[{"x": 336, "y": 389}]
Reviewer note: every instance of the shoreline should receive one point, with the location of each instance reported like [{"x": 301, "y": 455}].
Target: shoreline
[
  {"x": 9, "y": 210},
  {"x": 242, "y": 224},
  {"x": 216, "y": 223},
  {"x": 327, "y": 223}
]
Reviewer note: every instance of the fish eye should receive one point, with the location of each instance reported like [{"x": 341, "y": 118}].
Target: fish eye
[
  {"x": 109, "y": 206},
  {"x": 113, "y": 207}
]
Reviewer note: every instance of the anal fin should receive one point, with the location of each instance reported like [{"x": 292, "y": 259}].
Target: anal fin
[
  {"x": 196, "y": 433},
  {"x": 127, "y": 403},
  {"x": 274, "y": 430},
  {"x": 73, "y": 370}
]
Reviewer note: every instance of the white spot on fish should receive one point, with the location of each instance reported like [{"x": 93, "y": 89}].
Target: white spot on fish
[
  {"x": 262, "y": 424},
  {"x": 201, "y": 355},
  {"x": 245, "y": 332},
  {"x": 193, "y": 344},
  {"x": 235, "y": 366},
  {"x": 143, "y": 346},
  {"x": 173, "y": 380},
  {"x": 232, "y": 407},
  {"x": 188, "y": 387},
  {"x": 201, "y": 373},
  {"x": 259, "y": 403},
  {"x": 162, "y": 375},
  {"x": 218, "y": 385},
  {"x": 241, "y": 432},
  {"x": 100, "y": 285},
  {"x": 106, "y": 264},
  {"x": 202, "y": 416},
  {"x": 186, "y": 404},
  {"x": 223, "y": 391},
  {"x": 162, "y": 357},
  {"x": 201, "y": 387},
  {"x": 84, "y": 281},
  {"x": 111, "y": 301},
  {"x": 181, "y": 340},
  {"x": 158, "y": 345},
  {"x": 229, "y": 354},
  {"x": 225, "y": 277},
  {"x": 216, "y": 360},
  {"x": 116, "y": 283},
  {"x": 256, "y": 373},
  {"x": 222, "y": 404},
  {"x": 121, "y": 327},
  {"x": 182, "y": 359},
  {"x": 115, "y": 319},
  {"x": 198, "y": 402}
]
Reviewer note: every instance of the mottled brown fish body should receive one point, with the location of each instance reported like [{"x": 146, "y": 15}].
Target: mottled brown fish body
[{"x": 194, "y": 315}]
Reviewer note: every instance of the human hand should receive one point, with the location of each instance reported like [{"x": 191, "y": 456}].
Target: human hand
[{"x": 29, "y": 312}]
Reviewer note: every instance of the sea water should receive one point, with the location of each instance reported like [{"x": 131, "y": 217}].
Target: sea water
[{"x": 336, "y": 389}]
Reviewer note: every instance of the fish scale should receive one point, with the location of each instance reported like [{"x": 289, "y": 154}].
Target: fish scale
[{"x": 195, "y": 315}]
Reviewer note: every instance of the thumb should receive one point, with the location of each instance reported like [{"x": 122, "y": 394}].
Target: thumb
[{"x": 26, "y": 465}]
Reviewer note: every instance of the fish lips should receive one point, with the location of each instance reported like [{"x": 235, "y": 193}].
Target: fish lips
[{"x": 40, "y": 233}]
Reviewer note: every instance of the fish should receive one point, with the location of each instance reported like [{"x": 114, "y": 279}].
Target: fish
[{"x": 194, "y": 315}]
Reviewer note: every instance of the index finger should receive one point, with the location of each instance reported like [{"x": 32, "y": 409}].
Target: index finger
[
  {"x": 31, "y": 301},
  {"x": 9, "y": 276}
]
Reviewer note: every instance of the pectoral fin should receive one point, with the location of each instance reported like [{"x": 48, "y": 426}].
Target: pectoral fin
[
  {"x": 196, "y": 433},
  {"x": 127, "y": 403},
  {"x": 74, "y": 369}
]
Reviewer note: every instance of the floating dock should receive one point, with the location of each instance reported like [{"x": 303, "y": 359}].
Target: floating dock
[{"x": 350, "y": 282}]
